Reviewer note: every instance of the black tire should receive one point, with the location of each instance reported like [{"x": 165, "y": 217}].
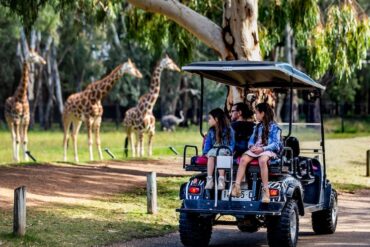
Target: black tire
[
  {"x": 325, "y": 221},
  {"x": 283, "y": 231},
  {"x": 195, "y": 230}
]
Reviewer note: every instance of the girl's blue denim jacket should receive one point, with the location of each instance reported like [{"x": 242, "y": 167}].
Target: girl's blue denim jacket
[
  {"x": 274, "y": 142},
  {"x": 211, "y": 140}
]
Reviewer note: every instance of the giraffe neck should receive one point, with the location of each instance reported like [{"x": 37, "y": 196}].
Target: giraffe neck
[
  {"x": 21, "y": 92},
  {"x": 154, "y": 87},
  {"x": 99, "y": 89}
]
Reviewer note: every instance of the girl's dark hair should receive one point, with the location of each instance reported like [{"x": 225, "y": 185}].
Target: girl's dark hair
[
  {"x": 245, "y": 110},
  {"x": 267, "y": 119},
  {"x": 222, "y": 123}
]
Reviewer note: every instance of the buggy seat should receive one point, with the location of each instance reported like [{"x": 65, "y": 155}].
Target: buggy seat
[{"x": 199, "y": 163}]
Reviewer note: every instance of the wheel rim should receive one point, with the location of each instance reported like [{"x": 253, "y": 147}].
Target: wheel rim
[
  {"x": 293, "y": 226},
  {"x": 334, "y": 212}
]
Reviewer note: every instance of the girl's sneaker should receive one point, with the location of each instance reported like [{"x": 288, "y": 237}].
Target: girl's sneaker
[
  {"x": 209, "y": 184},
  {"x": 221, "y": 183},
  {"x": 265, "y": 195}
]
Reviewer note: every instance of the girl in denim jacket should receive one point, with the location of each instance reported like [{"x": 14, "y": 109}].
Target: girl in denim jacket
[
  {"x": 220, "y": 133},
  {"x": 264, "y": 144}
]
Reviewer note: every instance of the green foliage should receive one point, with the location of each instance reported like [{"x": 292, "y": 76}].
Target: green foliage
[
  {"x": 273, "y": 17},
  {"x": 10, "y": 66},
  {"x": 339, "y": 46},
  {"x": 27, "y": 10},
  {"x": 157, "y": 33},
  {"x": 305, "y": 15},
  {"x": 318, "y": 55},
  {"x": 48, "y": 22}
]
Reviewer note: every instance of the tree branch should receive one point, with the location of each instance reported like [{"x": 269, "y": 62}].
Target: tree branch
[{"x": 197, "y": 24}]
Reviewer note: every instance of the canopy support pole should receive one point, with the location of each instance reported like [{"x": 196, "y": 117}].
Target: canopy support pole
[{"x": 201, "y": 106}]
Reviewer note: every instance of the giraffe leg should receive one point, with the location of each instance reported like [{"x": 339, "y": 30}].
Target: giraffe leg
[
  {"x": 67, "y": 125},
  {"x": 76, "y": 128},
  {"x": 24, "y": 137},
  {"x": 150, "y": 142},
  {"x": 89, "y": 125},
  {"x": 141, "y": 144},
  {"x": 17, "y": 139},
  {"x": 97, "y": 136},
  {"x": 14, "y": 138},
  {"x": 131, "y": 141},
  {"x": 137, "y": 143}
]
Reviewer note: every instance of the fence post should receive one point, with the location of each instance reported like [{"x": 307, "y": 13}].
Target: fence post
[
  {"x": 19, "y": 220},
  {"x": 368, "y": 163},
  {"x": 151, "y": 191}
]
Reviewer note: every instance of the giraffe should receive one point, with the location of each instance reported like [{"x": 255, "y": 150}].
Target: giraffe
[
  {"x": 17, "y": 109},
  {"x": 140, "y": 119},
  {"x": 86, "y": 107}
]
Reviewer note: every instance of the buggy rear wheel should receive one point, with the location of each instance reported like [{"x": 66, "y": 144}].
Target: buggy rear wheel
[
  {"x": 195, "y": 230},
  {"x": 283, "y": 231},
  {"x": 325, "y": 221}
]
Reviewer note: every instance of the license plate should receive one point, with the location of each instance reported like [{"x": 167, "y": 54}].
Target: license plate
[{"x": 245, "y": 196}]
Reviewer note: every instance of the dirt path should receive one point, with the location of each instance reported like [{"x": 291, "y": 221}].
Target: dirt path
[
  {"x": 353, "y": 230},
  {"x": 77, "y": 183}
]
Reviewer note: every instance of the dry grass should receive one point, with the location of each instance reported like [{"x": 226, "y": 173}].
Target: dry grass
[{"x": 346, "y": 161}]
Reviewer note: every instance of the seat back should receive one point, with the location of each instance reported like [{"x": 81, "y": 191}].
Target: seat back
[{"x": 292, "y": 143}]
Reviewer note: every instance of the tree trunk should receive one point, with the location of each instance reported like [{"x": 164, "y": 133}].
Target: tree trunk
[
  {"x": 49, "y": 86},
  {"x": 176, "y": 96},
  {"x": 185, "y": 99},
  {"x": 56, "y": 79},
  {"x": 39, "y": 84},
  {"x": 31, "y": 95},
  {"x": 118, "y": 115},
  {"x": 240, "y": 31}
]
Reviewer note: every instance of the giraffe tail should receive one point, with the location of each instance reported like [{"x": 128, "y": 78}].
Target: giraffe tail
[{"x": 126, "y": 147}]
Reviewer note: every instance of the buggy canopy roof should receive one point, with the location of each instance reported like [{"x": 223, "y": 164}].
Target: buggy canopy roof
[{"x": 253, "y": 74}]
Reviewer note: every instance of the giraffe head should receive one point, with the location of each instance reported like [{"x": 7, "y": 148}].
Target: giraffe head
[
  {"x": 34, "y": 57},
  {"x": 167, "y": 63},
  {"x": 130, "y": 68}
]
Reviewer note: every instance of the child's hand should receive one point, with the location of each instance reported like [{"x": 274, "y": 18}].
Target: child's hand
[{"x": 256, "y": 150}]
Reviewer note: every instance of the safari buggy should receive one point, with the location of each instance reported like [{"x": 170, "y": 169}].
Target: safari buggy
[{"x": 297, "y": 177}]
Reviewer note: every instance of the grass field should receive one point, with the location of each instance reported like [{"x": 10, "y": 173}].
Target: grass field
[
  {"x": 97, "y": 222},
  {"x": 46, "y": 146}
]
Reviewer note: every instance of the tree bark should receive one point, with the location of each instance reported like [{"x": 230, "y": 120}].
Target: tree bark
[
  {"x": 56, "y": 79},
  {"x": 185, "y": 99},
  {"x": 49, "y": 86},
  {"x": 240, "y": 30},
  {"x": 38, "y": 81},
  {"x": 176, "y": 97}
]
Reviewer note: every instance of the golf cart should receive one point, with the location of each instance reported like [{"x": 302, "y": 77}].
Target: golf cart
[{"x": 297, "y": 177}]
